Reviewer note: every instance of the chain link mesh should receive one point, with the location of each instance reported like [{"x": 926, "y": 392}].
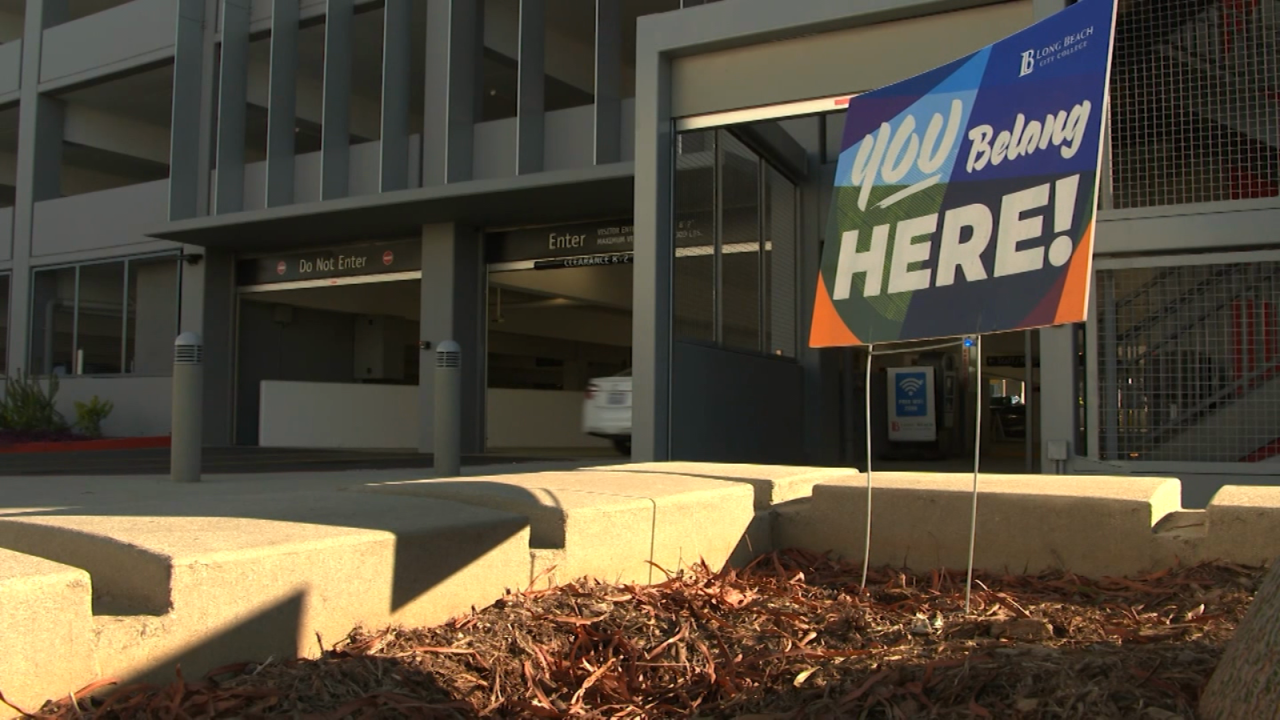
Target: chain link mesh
[
  {"x": 1195, "y": 106},
  {"x": 1189, "y": 363}
]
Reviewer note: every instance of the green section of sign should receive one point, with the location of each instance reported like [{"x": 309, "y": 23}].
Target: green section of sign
[{"x": 883, "y": 314}]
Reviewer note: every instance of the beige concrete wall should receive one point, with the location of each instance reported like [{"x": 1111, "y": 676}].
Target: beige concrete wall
[{"x": 128, "y": 588}]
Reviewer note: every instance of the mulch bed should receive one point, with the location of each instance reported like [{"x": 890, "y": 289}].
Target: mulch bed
[{"x": 790, "y": 636}]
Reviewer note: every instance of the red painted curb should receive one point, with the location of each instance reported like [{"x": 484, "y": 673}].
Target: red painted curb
[{"x": 132, "y": 443}]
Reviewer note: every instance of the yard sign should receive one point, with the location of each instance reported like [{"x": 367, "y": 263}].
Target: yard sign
[{"x": 964, "y": 197}]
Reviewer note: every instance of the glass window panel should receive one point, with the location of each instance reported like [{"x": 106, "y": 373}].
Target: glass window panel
[
  {"x": 694, "y": 283},
  {"x": 739, "y": 244},
  {"x": 780, "y": 264},
  {"x": 152, "y": 315},
  {"x": 100, "y": 319},
  {"x": 52, "y": 321}
]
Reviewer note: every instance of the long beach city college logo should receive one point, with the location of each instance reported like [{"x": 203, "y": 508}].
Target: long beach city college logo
[
  {"x": 388, "y": 257},
  {"x": 1028, "y": 63}
]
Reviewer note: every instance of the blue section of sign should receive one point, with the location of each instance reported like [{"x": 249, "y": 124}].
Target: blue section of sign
[
  {"x": 911, "y": 394},
  {"x": 964, "y": 200}
]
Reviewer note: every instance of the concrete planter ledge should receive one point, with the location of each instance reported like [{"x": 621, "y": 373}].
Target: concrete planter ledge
[
  {"x": 99, "y": 584},
  {"x": 609, "y": 524},
  {"x": 234, "y": 578},
  {"x": 46, "y": 628},
  {"x": 773, "y": 484}
]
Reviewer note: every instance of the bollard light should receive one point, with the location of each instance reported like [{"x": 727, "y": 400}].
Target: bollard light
[
  {"x": 448, "y": 410},
  {"x": 187, "y": 422}
]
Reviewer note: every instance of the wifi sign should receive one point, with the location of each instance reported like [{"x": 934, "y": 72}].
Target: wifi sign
[
  {"x": 911, "y": 384},
  {"x": 912, "y": 398}
]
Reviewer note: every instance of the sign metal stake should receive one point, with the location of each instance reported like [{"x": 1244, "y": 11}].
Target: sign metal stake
[
  {"x": 866, "y": 546},
  {"x": 980, "y": 398}
]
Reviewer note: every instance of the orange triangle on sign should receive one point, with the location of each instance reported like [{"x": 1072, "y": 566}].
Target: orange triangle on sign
[{"x": 828, "y": 329}]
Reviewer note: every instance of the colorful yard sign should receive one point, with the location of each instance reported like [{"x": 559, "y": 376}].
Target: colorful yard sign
[{"x": 964, "y": 197}]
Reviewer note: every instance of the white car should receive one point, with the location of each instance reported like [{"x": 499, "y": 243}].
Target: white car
[{"x": 606, "y": 411}]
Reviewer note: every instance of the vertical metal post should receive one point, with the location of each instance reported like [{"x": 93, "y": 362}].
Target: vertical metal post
[
  {"x": 448, "y": 410},
  {"x": 1109, "y": 378},
  {"x": 187, "y": 434}
]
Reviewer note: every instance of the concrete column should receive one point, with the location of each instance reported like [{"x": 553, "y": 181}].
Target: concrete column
[
  {"x": 209, "y": 308},
  {"x": 188, "y": 166},
  {"x": 233, "y": 82},
  {"x": 39, "y": 171},
  {"x": 608, "y": 89},
  {"x": 530, "y": 87},
  {"x": 651, "y": 319},
  {"x": 335, "y": 134},
  {"x": 282, "y": 103},
  {"x": 1057, "y": 390},
  {"x": 453, "y": 309},
  {"x": 396, "y": 56},
  {"x": 821, "y": 368},
  {"x": 1057, "y": 398},
  {"x": 452, "y": 99}
]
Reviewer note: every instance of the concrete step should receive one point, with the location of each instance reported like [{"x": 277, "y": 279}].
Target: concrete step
[
  {"x": 612, "y": 525},
  {"x": 46, "y": 629},
  {"x": 231, "y": 578}
]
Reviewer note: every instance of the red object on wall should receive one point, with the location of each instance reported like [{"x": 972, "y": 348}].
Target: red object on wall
[
  {"x": 1243, "y": 184},
  {"x": 134, "y": 443}
]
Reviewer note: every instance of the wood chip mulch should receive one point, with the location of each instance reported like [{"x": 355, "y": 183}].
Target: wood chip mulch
[{"x": 791, "y": 636}]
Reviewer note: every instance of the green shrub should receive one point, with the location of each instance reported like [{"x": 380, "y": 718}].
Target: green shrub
[
  {"x": 27, "y": 407},
  {"x": 89, "y": 416}
]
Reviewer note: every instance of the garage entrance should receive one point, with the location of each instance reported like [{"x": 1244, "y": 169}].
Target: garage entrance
[
  {"x": 559, "y": 328},
  {"x": 327, "y": 348}
]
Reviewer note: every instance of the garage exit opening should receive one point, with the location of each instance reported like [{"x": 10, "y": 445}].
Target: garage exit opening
[{"x": 559, "y": 337}]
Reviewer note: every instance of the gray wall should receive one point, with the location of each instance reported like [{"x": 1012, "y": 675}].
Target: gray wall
[
  {"x": 835, "y": 63},
  {"x": 157, "y": 292},
  {"x": 120, "y": 38},
  {"x": 735, "y": 406},
  {"x": 315, "y": 346}
]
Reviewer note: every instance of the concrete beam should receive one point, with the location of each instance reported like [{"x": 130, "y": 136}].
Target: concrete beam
[
  {"x": 282, "y": 102},
  {"x": 118, "y": 134},
  {"x": 608, "y": 82},
  {"x": 451, "y": 98},
  {"x": 37, "y": 173},
  {"x": 531, "y": 87},
  {"x": 232, "y": 87},
  {"x": 397, "y": 56},
  {"x": 335, "y": 134},
  {"x": 186, "y": 161},
  {"x": 567, "y": 59},
  {"x": 310, "y": 93}
]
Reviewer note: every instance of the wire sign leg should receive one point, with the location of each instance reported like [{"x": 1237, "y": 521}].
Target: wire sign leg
[
  {"x": 866, "y": 543},
  {"x": 980, "y": 398}
]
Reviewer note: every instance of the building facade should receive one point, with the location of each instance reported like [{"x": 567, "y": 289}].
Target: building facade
[{"x": 325, "y": 189}]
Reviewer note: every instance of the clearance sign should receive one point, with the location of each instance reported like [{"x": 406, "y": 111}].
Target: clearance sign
[{"x": 964, "y": 197}]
